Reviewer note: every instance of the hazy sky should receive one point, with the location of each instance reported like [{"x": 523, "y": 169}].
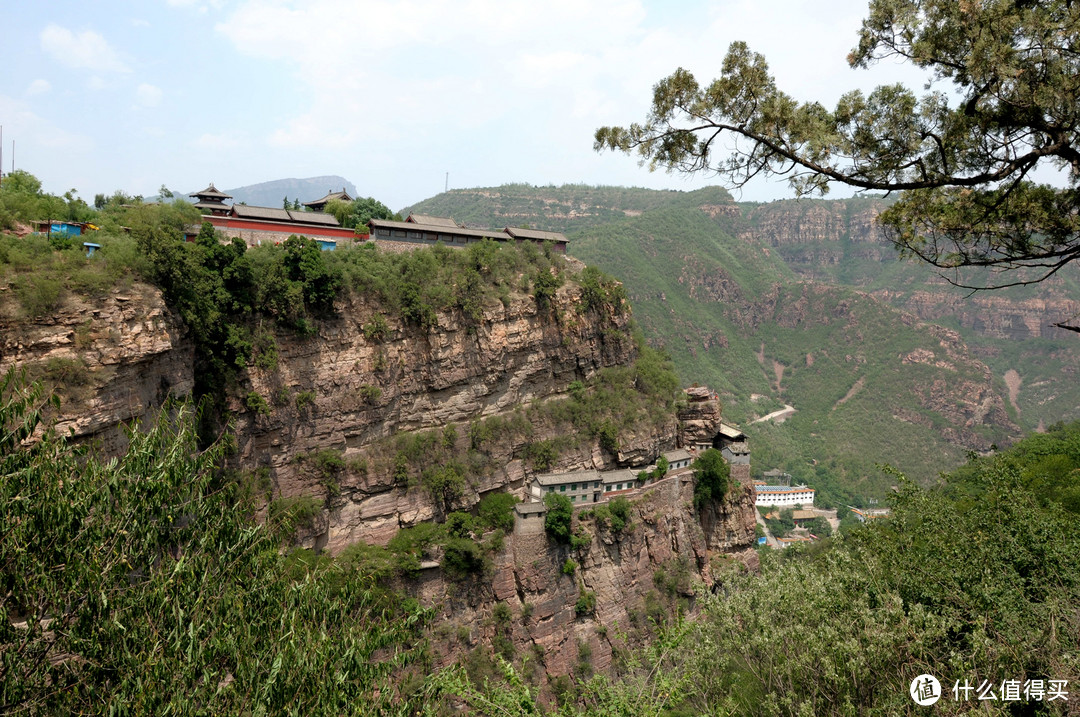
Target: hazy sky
[{"x": 100, "y": 96}]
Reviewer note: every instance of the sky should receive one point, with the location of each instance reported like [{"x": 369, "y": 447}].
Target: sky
[{"x": 400, "y": 97}]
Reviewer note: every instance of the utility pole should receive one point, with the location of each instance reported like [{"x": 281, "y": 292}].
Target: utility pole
[{"x": 446, "y": 187}]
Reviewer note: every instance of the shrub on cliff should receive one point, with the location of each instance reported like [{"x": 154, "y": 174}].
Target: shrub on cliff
[
  {"x": 142, "y": 584},
  {"x": 560, "y": 513},
  {"x": 496, "y": 511},
  {"x": 711, "y": 477}
]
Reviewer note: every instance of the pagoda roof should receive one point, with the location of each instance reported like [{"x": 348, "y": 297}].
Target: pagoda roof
[
  {"x": 210, "y": 192},
  {"x": 341, "y": 196}
]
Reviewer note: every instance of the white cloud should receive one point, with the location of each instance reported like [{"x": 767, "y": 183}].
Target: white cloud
[
  {"x": 34, "y": 130},
  {"x": 148, "y": 95},
  {"x": 216, "y": 142},
  {"x": 86, "y": 50},
  {"x": 38, "y": 87},
  {"x": 139, "y": 22}
]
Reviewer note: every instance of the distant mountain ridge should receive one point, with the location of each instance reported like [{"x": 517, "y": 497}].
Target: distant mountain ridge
[{"x": 273, "y": 193}]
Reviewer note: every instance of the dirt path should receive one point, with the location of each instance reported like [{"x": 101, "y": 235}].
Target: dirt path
[
  {"x": 1013, "y": 381},
  {"x": 851, "y": 392},
  {"x": 779, "y": 416}
]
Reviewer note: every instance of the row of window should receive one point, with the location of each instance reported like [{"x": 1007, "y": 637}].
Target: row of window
[{"x": 585, "y": 486}]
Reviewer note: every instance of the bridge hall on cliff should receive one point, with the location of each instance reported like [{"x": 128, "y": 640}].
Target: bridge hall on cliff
[{"x": 701, "y": 429}]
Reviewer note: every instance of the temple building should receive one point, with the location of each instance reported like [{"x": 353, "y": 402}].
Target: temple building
[
  {"x": 258, "y": 225},
  {"x": 319, "y": 205},
  {"x": 211, "y": 201}
]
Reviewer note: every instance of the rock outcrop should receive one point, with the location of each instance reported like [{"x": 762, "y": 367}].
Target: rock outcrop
[
  {"x": 112, "y": 360},
  {"x": 651, "y": 565}
]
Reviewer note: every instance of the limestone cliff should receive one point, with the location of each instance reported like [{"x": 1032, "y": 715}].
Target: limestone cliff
[
  {"x": 111, "y": 360},
  {"x": 360, "y": 391},
  {"x": 637, "y": 574}
]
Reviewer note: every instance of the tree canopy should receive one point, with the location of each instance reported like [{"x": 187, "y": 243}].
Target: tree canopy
[{"x": 962, "y": 158}]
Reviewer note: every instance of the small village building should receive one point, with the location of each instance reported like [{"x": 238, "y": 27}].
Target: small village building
[
  {"x": 91, "y": 247},
  {"x": 319, "y": 205},
  {"x": 803, "y": 516},
  {"x": 529, "y": 517},
  {"x": 49, "y": 227},
  {"x": 678, "y": 459},
  {"x": 733, "y": 445},
  {"x": 793, "y": 540},
  {"x": 775, "y": 476},
  {"x": 211, "y": 201},
  {"x": 578, "y": 486},
  {"x": 783, "y": 495},
  {"x": 619, "y": 481}
]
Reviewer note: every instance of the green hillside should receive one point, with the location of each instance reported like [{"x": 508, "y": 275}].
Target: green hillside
[
  {"x": 741, "y": 292},
  {"x": 566, "y": 208},
  {"x": 734, "y": 317}
]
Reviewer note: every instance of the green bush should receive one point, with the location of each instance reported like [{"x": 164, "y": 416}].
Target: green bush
[
  {"x": 144, "y": 571},
  {"x": 711, "y": 477},
  {"x": 256, "y": 403},
  {"x": 542, "y": 454},
  {"x": 370, "y": 394},
  {"x": 586, "y": 603},
  {"x": 620, "y": 513},
  {"x": 560, "y": 513},
  {"x": 501, "y": 614},
  {"x": 496, "y": 510},
  {"x": 569, "y": 567},
  {"x": 462, "y": 557}
]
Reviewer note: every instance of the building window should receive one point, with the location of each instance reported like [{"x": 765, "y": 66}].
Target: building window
[
  {"x": 607, "y": 489},
  {"x": 596, "y": 484},
  {"x": 562, "y": 488}
]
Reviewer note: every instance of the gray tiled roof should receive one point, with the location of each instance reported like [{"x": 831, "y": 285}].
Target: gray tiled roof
[
  {"x": 678, "y": 454},
  {"x": 273, "y": 214},
  {"x": 730, "y": 431},
  {"x": 437, "y": 229},
  {"x": 620, "y": 476},
  {"x": 535, "y": 234},
  {"x": 531, "y": 508},
  {"x": 571, "y": 477},
  {"x": 342, "y": 195},
  {"x": 211, "y": 192},
  {"x": 431, "y": 221}
]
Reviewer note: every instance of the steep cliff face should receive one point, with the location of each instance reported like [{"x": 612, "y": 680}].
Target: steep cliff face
[
  {"x": 991, "y": 315},
  {"x": 356, "y": 391},
  {"x": 111, "y": 359},
  {"x": 644, "y": 569}
]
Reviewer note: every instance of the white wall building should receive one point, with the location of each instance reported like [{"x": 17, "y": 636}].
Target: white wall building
[{"x": 783, "y": 495}]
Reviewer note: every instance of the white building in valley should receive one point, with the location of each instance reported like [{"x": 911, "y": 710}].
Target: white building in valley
[{"x": 783, "y": 495}]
